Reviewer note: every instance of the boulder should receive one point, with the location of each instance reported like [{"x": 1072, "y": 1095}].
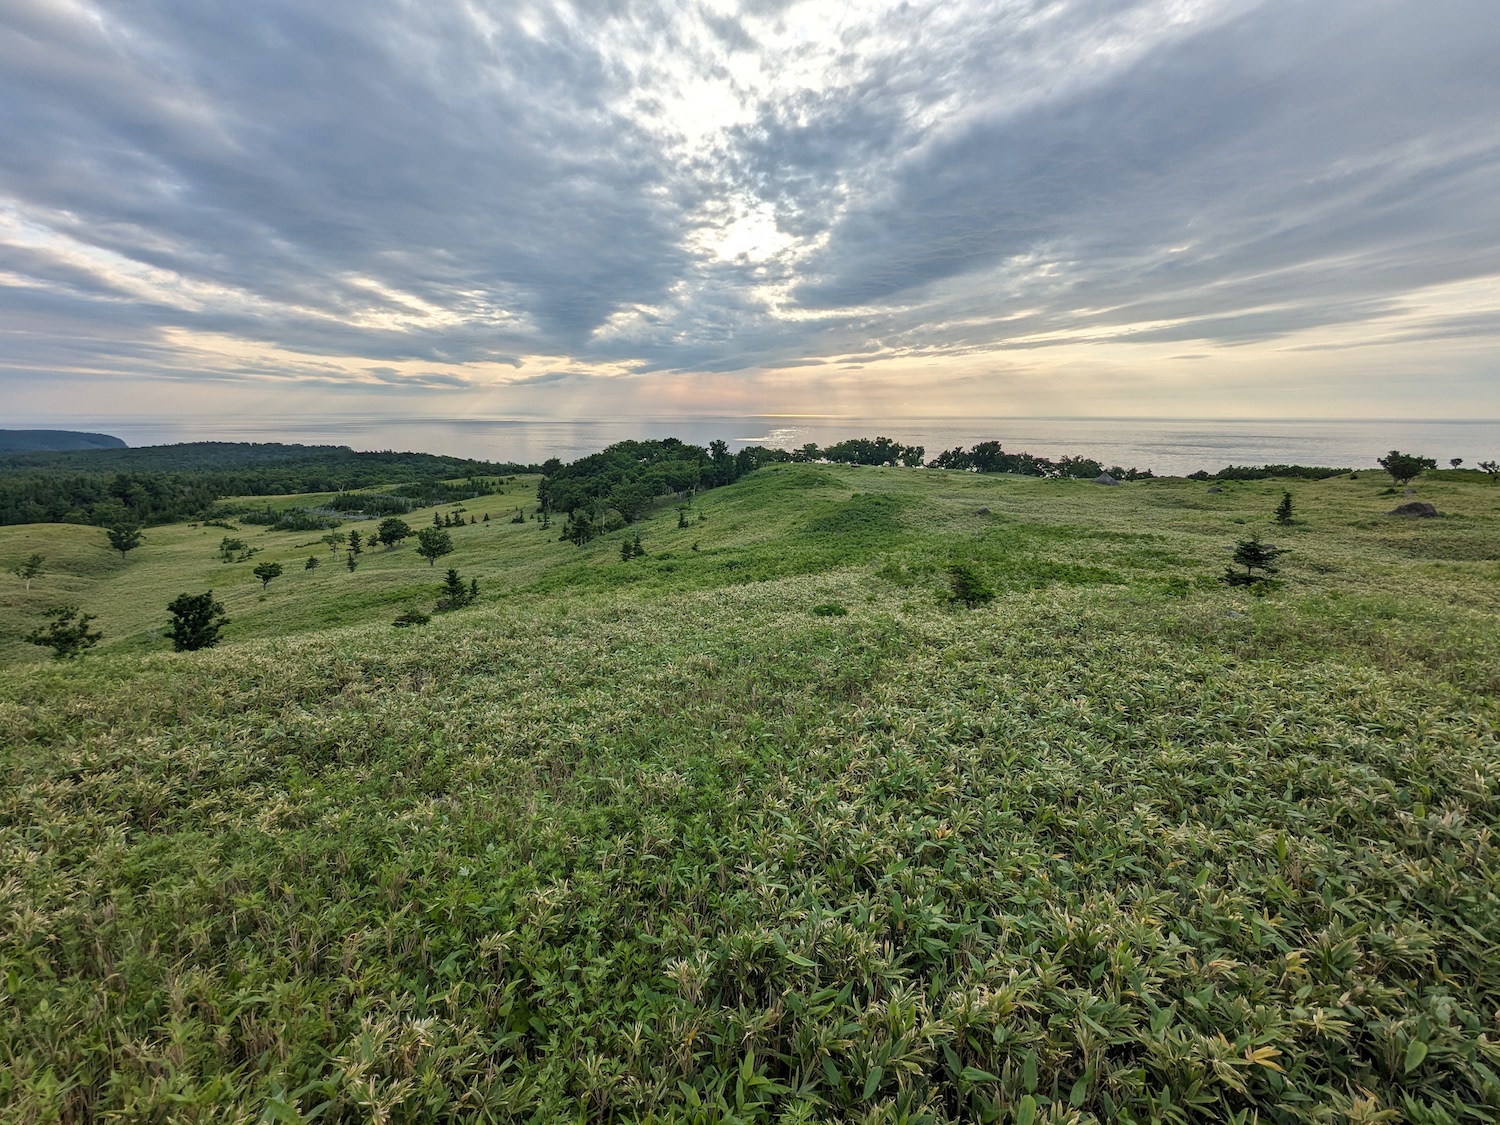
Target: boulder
[
  {"x": 982, "y": 512},
  {"x": 1105, "y": 478},
  {"x": 1215, "y": 489},
  {"x": 1417, "y": 509}
]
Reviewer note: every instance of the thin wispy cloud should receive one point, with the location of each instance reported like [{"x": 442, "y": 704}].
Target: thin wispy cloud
[{"x": 458, "y": 198}]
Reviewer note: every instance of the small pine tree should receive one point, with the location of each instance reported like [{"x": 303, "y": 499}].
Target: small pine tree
[
  {"x": 437, "y": 520},
  {"x": 124, "y": 538},
  {"x": 454, "y": 591},
  {"x": 1284, "y": 509},
  {"x": 473, "y": 589},
  {"x": 1254, "y": 556},
  {"x": 968, "y": 585},
  {"x": 486, "y": 517},
  {"x": 636, "y": 549},
  {"x": 311, "y": 563},
  {"x": 355, "y": 543},
  {"x": 196, "y": 621},
  {"x": 627, "y": 550},
  {"x": 682, "y": 520},
  {"x": 350, "y": 562},
  {"x": 66, "y": 636}
]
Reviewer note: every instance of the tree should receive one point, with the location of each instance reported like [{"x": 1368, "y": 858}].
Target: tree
[
  {"x": 196, "y": 621},
  {"x": 231, "y": 548},
  {"x": 124, "y": 538},
  {"x": 355, "y": 541},
  {"x": 1455, "y": 461},
  {"x": 433, "y": 543},
  {"x": 1284, "y": 509},
  {"x": 1405, "y": 466},
  {"x": 351, "y": 562},
  {"x": 455, "y": 593},
  {"x": 311, "y": 563},
  {"x": 392, "y": 530},
  {"x": 373, "y": 540},
  {"x": 1492, "y": 468},
  {"x": 1253, "y": 555},
  {"x": 66, "y": 636},
  {"x": 31, "y": 568},
  {"x": 968, "y": 585},
  {"x": 267, "y": 571}
]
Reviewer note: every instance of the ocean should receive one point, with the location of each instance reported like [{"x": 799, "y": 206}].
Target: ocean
[{"x": 1166, "y": 446}]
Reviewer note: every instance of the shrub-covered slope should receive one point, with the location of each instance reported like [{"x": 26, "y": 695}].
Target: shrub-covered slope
[{"x": 631, "y": 842}]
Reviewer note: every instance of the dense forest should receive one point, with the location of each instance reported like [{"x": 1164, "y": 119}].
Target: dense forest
[{"x": 162, "y": 484}]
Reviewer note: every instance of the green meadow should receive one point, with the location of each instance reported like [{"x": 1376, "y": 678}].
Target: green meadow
[{"x": 761, "y": 826}]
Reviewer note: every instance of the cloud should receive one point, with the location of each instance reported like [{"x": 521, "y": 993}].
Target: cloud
[{"x": 410, "y": 196}]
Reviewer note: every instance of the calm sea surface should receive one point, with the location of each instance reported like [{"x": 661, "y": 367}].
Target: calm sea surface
[{"x": 1165, "y": 446}]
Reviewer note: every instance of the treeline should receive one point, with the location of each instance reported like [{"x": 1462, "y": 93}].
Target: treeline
[
  {"x": 989, "y": 457},
  {"x": 1268, "y": 472},
  {"x": 620, "y": 484},
  {"x": 163, "y": 484}
]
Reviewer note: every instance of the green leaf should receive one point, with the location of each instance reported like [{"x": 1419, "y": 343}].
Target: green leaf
[
  {"x": 974, "y": 1074},
  {"x": 1416, "y": 1051},
  {"x": 1079, "y": 1092},
  {"x": 802, "y": 961},
  {"x": 835, "y": 1079},
  {"x": 954, "y": 1065},
  {"x": 1028, "y": 1072},
  {"x": 872, "y": 1083},
  {"x": 1026, "y": 1111}
]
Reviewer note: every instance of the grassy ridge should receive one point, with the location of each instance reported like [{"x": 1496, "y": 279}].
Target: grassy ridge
[{"x": 653, "y": 840}]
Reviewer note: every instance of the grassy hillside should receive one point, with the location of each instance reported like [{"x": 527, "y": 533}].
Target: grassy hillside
[{"x": 673, "y": 839}]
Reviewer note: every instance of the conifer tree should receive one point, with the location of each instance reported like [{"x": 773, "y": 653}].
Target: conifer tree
[
  {"x": 1284, "y": 509},
  {"x": 196, "y": 621},
  {"x": 124, "y": 538},
  {"x": 1254, "y": 556}
]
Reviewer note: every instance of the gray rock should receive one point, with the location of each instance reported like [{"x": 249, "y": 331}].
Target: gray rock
[
  {"x": 1105, "y": 478},
  {"x": 1416, "y": 509},
  {"x": 1215, "y": 489},
  {"x": 982, "y": 512}
]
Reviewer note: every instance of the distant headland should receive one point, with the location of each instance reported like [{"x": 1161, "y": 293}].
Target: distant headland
[{"x": 54, "y": 441}]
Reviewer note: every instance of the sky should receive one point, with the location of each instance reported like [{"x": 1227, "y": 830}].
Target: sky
[{"x": 1165, "y": 208}]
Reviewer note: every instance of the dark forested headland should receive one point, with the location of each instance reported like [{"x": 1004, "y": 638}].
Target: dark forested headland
[
  {"x": 51, "y": 441},
  {"x": 162, "y": 484}
]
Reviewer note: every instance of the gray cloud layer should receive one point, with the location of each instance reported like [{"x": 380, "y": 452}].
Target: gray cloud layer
[{"x": 680, "y": 188}]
